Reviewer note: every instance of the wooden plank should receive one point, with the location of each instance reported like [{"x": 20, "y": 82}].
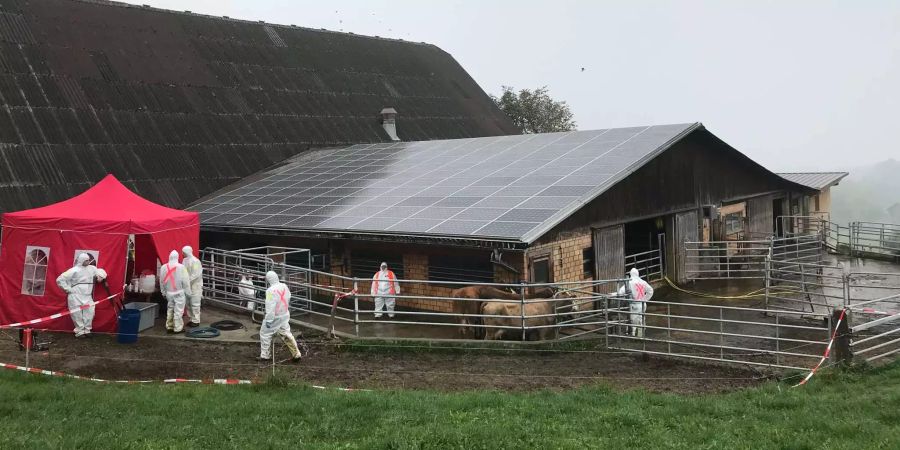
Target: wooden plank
[{"x": 687, "y": 228}]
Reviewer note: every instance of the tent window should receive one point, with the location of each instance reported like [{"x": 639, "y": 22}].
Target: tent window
[{"x": 34, "y": 279}]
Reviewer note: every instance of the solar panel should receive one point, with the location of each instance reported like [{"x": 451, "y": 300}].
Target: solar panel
[{"x": 507, "y": 187}]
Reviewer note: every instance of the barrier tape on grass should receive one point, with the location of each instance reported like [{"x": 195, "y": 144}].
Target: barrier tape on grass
[
  {"x": 57, "y": 315},
  {"x": 226, "y": 381},
  {"x": 827, "y": 350}
]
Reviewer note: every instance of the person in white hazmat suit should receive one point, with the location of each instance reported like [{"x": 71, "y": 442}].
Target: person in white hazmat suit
[
  {"x": 195, "y": 273},
  {"x": 277, "y": 319},
  {"x": 247, "y": 291},
  {"x": 78, "y": 283},
  {"x": 175, "y": 286},
  {"x": 640, "y": 292},
  {"x": 384, "y": 288}
]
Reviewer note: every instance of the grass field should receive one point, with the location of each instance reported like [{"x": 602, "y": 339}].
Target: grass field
[{"x": 846, "y": 410}]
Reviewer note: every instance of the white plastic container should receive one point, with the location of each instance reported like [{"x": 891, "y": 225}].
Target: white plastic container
[
  {"x": 148, "y": 284},
  {"x": 148, "y": 310}
]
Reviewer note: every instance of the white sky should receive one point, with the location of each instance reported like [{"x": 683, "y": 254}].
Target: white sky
[{"x": 796, "y": 85}]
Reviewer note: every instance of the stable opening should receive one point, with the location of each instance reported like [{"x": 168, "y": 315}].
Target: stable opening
[
  {"x": 644, "y": 246},
  {"x": 777, "y": 212},
  {"x": 643, "y": 235}
]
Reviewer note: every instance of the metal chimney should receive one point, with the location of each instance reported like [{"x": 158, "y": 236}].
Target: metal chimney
[{"x": 389, "y": 122}]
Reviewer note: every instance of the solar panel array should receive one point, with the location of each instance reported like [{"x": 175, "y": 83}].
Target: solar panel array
[{"x": 504, "y": 187}]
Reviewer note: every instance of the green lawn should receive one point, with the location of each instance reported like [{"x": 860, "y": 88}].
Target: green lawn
[{"x": 847, "y": 410}]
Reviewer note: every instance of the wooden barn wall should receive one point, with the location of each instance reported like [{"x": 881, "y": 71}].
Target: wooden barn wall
[
  {"x": 698, "y": 170},
  {"x": 178, "y": 105}
]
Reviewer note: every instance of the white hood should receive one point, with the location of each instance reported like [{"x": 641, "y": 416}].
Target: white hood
[
  {"x": 82, "y": 257},
  {"x": 271, "y": 278}
]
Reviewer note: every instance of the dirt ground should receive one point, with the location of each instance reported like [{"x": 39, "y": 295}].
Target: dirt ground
[{"x": 332, "y": 364}]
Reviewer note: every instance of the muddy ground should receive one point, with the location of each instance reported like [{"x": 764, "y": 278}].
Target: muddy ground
[{"x": 375, "y": 366}]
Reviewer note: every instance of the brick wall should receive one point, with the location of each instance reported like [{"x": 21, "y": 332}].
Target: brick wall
[{"x": 565, "y": 255}]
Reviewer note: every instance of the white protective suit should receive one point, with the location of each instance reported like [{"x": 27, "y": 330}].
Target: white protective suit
[
  {"x": 195, "y": 272},
  {"x": 248, "y": 293},
  {"x": 78, "y": 283},
  {"x": 384, "y": 288},
  {"x": 277, "y": 320},
  {"x": 175, "y": 286},
  {"x": 641, "y": 293}
]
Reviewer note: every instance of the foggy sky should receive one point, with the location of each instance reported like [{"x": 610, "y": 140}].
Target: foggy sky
[{"x": 795, "y": 85}]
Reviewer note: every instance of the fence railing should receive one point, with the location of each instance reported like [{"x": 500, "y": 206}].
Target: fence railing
[
  {"x": 789, "y": 329},
  {"x": 650, "y": 263},
  {"x": 804, "y": 287},
  {"x": 871, "y": 238},
  {"x": 751, "y": 336},
  {"x": 747, "y": 259},
  {"x": 873, "y": 300}
]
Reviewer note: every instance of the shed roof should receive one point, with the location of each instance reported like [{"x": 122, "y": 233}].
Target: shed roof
[
  {"x": 815, "y": 180},
  {"x": 177, "y": 105},
  {"x": 508, "y": 188}
]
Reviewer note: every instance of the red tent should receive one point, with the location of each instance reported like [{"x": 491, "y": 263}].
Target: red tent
[{"x": 39, "y": 244}]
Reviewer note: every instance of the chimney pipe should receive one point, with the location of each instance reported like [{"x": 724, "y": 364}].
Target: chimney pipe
[{"x": 389, "y": 122}]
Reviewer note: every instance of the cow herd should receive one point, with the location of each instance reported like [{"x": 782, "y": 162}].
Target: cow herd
[{"x": 483, "y": 312}]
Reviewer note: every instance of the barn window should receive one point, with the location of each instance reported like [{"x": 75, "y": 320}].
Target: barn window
[
  {"x": 465, "y": 269},
  {"x": 734, "y": 224},
  {"x": 34, "y": 278},
  {"x": 540, "y": 271},
  {"x": 364, "y": 265},
  {"x": 587, "y": 262}
]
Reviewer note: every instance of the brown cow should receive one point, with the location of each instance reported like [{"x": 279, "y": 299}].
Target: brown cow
[
  {"x": 472, "y": 307},
  {"x": 546, "y": 312}
]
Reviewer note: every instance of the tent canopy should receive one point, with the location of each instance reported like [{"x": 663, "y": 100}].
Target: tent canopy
[
  {"x": 107, "y": 207},
  {"x": 39, "y": 244}
]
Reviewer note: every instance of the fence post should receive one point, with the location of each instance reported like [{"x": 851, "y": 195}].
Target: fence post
[
  {"x": 356, "y": 308},
  {"x": 522, "y": 309},
  {"x": 841, "y": 352},
  {"x": 767, "y": 275}
]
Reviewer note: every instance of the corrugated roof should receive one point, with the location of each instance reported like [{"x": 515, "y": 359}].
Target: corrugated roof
[
  {"x": 177, "y": 105},
  {"x": 815, "y": 180},
  {"x": 512, "y": 188}
]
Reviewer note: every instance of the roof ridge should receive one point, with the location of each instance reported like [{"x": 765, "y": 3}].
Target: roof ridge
[
  {"x": 248, "y": 21},
  {"x": 830, "y": 171}
]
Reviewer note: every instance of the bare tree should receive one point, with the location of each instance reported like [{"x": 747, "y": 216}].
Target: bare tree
[{"x": 534, "y": 111}]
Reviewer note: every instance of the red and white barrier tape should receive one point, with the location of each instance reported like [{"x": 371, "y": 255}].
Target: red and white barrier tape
[
  {"x": 827, "y": 350},
  {"x": 342, "y": 296},
  {"x": 57, "y": 315},
  {"x": 875, "y": 311},
  {"x": 228, "y": 381},
  {"x": 100, "y": 380}
]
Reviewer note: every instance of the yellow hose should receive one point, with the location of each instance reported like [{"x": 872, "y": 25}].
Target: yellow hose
[{"x": 751, "y": 294}]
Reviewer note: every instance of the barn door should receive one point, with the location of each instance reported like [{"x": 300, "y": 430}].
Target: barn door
[
  {"x": 687, "y": 229},
  {"x": 609, "y": 253},
  {"x": 759, "y": 210}
]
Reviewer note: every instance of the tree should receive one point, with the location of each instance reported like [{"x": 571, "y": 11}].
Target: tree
[{"x": 534, "y": 111}]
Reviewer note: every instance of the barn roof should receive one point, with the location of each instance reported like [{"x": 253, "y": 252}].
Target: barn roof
[
  {"x": 815, "y": 180},
  {"x": 177, "y": 105},
  {"x": 508, "y": 188}
]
